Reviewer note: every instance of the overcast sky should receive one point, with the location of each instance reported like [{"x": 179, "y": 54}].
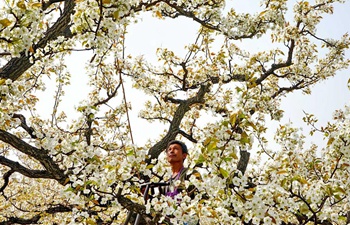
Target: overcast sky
[
  {"x": 326, "y": 96},
  {"x": 150, "y": 33}
]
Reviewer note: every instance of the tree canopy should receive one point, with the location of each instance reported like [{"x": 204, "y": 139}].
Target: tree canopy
[{"x": 81, "y": 164}]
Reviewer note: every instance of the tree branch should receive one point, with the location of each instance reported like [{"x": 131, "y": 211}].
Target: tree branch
[
  {"x": 46, "y": 5},
  {"x": 17, "y": 66},
  {"x": 288, "y": 89},
  {"x": 6, "y": 180},
  {"x": 35, "y": 219},
  {"x": 24, "y": 125},
  {"x": 4, "y": 53},
  {"x": 38, "y": 154},
  {"x": 188, "y": 136},
  {"x": 275, "y": 67},
  {"x": 137, "y": 208},
  {"x": 16, "y": 167},
  {"x": 243, "y": 161},
  {"x": 174, "y": 129}
]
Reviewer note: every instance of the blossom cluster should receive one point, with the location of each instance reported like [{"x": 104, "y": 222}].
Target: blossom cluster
[{"x": 93, "y": 144}]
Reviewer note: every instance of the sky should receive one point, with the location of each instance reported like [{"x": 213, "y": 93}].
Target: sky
[
  {"x": 331, "y": 94},
  {"x": 326, "y": 96},
  {"x": 174, "y": 34}
]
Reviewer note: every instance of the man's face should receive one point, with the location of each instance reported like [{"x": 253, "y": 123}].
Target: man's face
[{"x": 174, "y": 153}]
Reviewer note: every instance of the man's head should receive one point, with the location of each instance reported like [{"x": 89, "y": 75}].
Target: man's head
[{"x": 176, "y": 151}]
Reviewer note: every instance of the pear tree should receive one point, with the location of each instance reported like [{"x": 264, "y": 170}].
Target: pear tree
[{"x": 72, "y": 156}]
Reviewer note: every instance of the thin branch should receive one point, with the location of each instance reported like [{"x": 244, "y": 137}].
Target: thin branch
[
  {"x": 4, "y": 53},
  {"x": 289, "y": 89},
  {"x": 336, "y": 166},
  {"x": 6, "y": 178},
  {"x": 275, "y": 67},
  {"x": 188, "y": 136},
  {"x": 123, "y": 89},
  {"x": 30, "y": 130}
]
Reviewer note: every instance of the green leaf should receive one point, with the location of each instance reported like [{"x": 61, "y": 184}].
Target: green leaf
[
  {"x": 234, "y": 155},
  {"x": 207, "y": 141},
  {"x": 90, "y": 221},
  {"x": 233, "y": 118},
  {"x": 96, "y": 159},
  {"x": 241, "y": 114},
  {"x": 200, "y": 159},
  {"x": 130, "y": 152},
  {"x": 116, "y": 14},
  {"x": 225, "y": 123},
  {"x": 330, "y": 141},
  {"x": 263, "y": 12},
  {"x": 150, "y": 166},
  {"x": 90, "y": 182},
  {"x": 21, "y": 5},
  {"x": 244, "y": 138},
  {"x": 318, "y": 160},
  {"x": 343, "y": 218},
  {"x": 227, "y": 159},
  {"x": 81, "y": 108},
  {"x": 252, "y": 125},
  {"x": 223, "y": 172},
  {"x": 304, "y": 209},
  {"x": 35, "y": 5},
  {"x": 338, "y": 197},
  {"x": 283, "y": 171},
  {"x": 5, "y": 22},
  {"x": 340, "y": 189},
  {"x": 283, "y": 182},
  {"x": 212, "y": 145},
  {"x": 299, "y": 179},
  {"x": 69, "y": 189},
  {"x": 238, "y": 89}
]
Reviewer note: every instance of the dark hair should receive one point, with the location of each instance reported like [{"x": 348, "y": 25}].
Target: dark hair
[{"x": 183, "y": 146}]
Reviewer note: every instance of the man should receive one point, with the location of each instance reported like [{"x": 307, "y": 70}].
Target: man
[{"x": 176, "y": 153}]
